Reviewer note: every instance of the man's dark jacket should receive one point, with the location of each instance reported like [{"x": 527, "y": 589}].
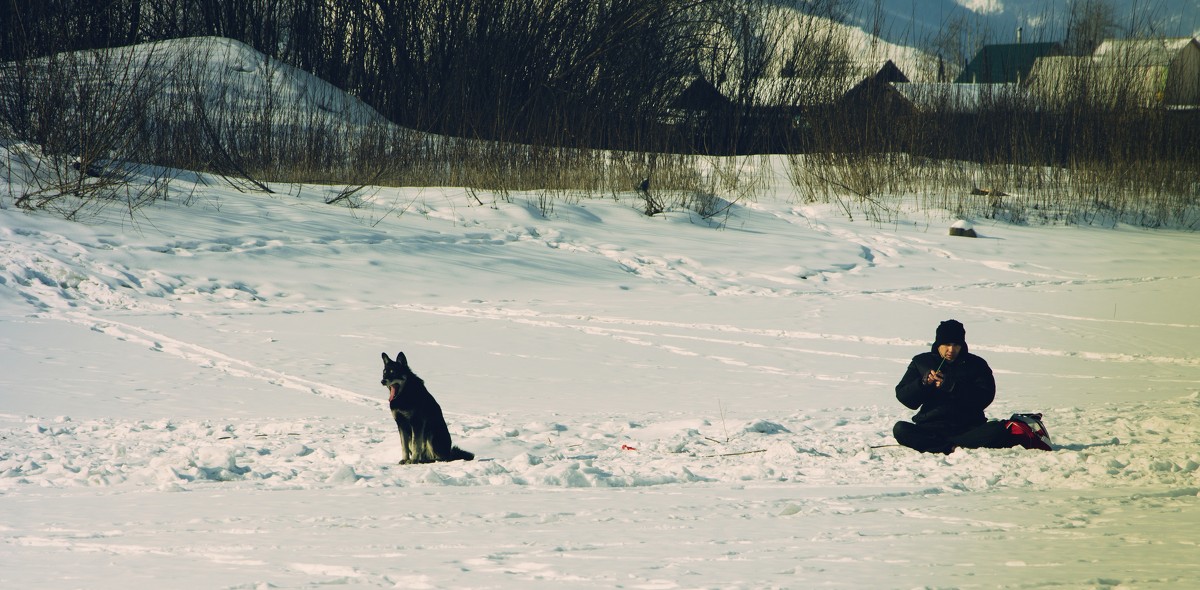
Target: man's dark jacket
[{"x": 955, "y": 407}]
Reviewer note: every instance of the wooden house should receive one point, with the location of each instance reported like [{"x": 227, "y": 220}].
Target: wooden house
[
  {"x": 1140, "y": 72},
  {"x": 876, "y": 93},
  {"x": 777, "y": 111},
  {"x": 1168, "y": 70},
  {"x": 700, "y": 95}
]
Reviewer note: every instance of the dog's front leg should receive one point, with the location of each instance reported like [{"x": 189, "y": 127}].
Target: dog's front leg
[
  {"x": 406, "y": 444},
  {"x": 406, "y": 438},
  {"x": 418, "y": 444},
  {"x": 412, "y": 448}
]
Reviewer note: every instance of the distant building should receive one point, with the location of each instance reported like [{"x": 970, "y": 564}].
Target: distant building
[
  {"x": 1008, "y": 63},
  {"x": 777, "y": 111},
  {"x": 1168, "y": 70},
  {"x": 697, "y": 94},
  {"x": 876, "y": 91},
  {"x": 850, "y": 82},
  {"x": 1140, "y": 72}
]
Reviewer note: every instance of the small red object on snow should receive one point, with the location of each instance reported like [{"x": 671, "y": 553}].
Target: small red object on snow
[{"x": 627, "y": 448}]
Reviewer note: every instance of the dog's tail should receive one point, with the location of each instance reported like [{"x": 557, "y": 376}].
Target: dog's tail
[{"x": 457, "y": 454}]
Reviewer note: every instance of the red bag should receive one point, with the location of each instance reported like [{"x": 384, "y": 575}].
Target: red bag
[{"x": 1029, "y": 431}]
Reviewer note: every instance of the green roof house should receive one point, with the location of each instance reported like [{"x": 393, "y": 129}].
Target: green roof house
[{"x": 1004, "y": 64}]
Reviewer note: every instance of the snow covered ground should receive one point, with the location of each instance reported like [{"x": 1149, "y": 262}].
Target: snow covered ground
[{"x": 190, "y": 399}]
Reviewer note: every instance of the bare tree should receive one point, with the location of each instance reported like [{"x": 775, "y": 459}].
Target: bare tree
[{"x": 1089, "y": 22}]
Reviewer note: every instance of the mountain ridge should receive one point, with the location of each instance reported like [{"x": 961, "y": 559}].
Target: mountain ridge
[{"x": 917, "y": 22}]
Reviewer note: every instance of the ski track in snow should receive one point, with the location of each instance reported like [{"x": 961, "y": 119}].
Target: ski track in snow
[
  {"x": 670, "y": 331},
  {"x": 206, "y": 357}
]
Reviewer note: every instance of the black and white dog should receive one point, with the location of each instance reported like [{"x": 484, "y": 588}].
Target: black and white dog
[{"x": 423, "y": 430}]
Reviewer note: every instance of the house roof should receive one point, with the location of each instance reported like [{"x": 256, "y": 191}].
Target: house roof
[
  {"x": 1148, "y": 52},
  {"x": 698, "y": 93},
  {"x": 889, "y": 72},
  {"x": 1006, "y": 63}
]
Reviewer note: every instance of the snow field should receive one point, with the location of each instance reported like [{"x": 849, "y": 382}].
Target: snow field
[{"x": 189, "y": 398}]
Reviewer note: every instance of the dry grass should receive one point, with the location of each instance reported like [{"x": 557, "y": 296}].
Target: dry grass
[{"x": 880, "y": 186}]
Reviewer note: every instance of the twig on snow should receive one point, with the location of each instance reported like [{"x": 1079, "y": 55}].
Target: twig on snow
[{"x": 735, "y": 454}]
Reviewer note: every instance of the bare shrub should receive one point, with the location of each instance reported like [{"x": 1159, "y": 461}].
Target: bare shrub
[
  {"x": 76, "y": 125},
  {"x": 853, "y": 181}
]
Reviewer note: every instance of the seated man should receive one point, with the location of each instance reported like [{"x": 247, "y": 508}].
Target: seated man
[{"x": 950, "y": 387}]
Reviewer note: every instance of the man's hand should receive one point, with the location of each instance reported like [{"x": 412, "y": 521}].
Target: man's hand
[{"x": 940, "y": 381}]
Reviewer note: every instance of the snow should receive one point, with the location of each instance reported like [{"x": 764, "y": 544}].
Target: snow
[
  {"x": 193, "y": 400},
  {"x": 190, "y": 398}
]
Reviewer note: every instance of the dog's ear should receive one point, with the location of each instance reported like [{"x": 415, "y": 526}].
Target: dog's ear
[
  {"x": 400, "y": 359},
  {"x": 386, "y": 360}
]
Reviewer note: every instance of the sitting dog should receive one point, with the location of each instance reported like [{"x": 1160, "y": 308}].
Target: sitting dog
[{"x": 423, "y": 430}]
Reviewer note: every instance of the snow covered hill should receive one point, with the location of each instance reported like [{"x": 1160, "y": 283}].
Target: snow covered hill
[{"x": 909, "y": 22}]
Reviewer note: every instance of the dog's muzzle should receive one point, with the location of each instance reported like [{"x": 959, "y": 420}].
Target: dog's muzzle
[{"x": 393, "y": 385}]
